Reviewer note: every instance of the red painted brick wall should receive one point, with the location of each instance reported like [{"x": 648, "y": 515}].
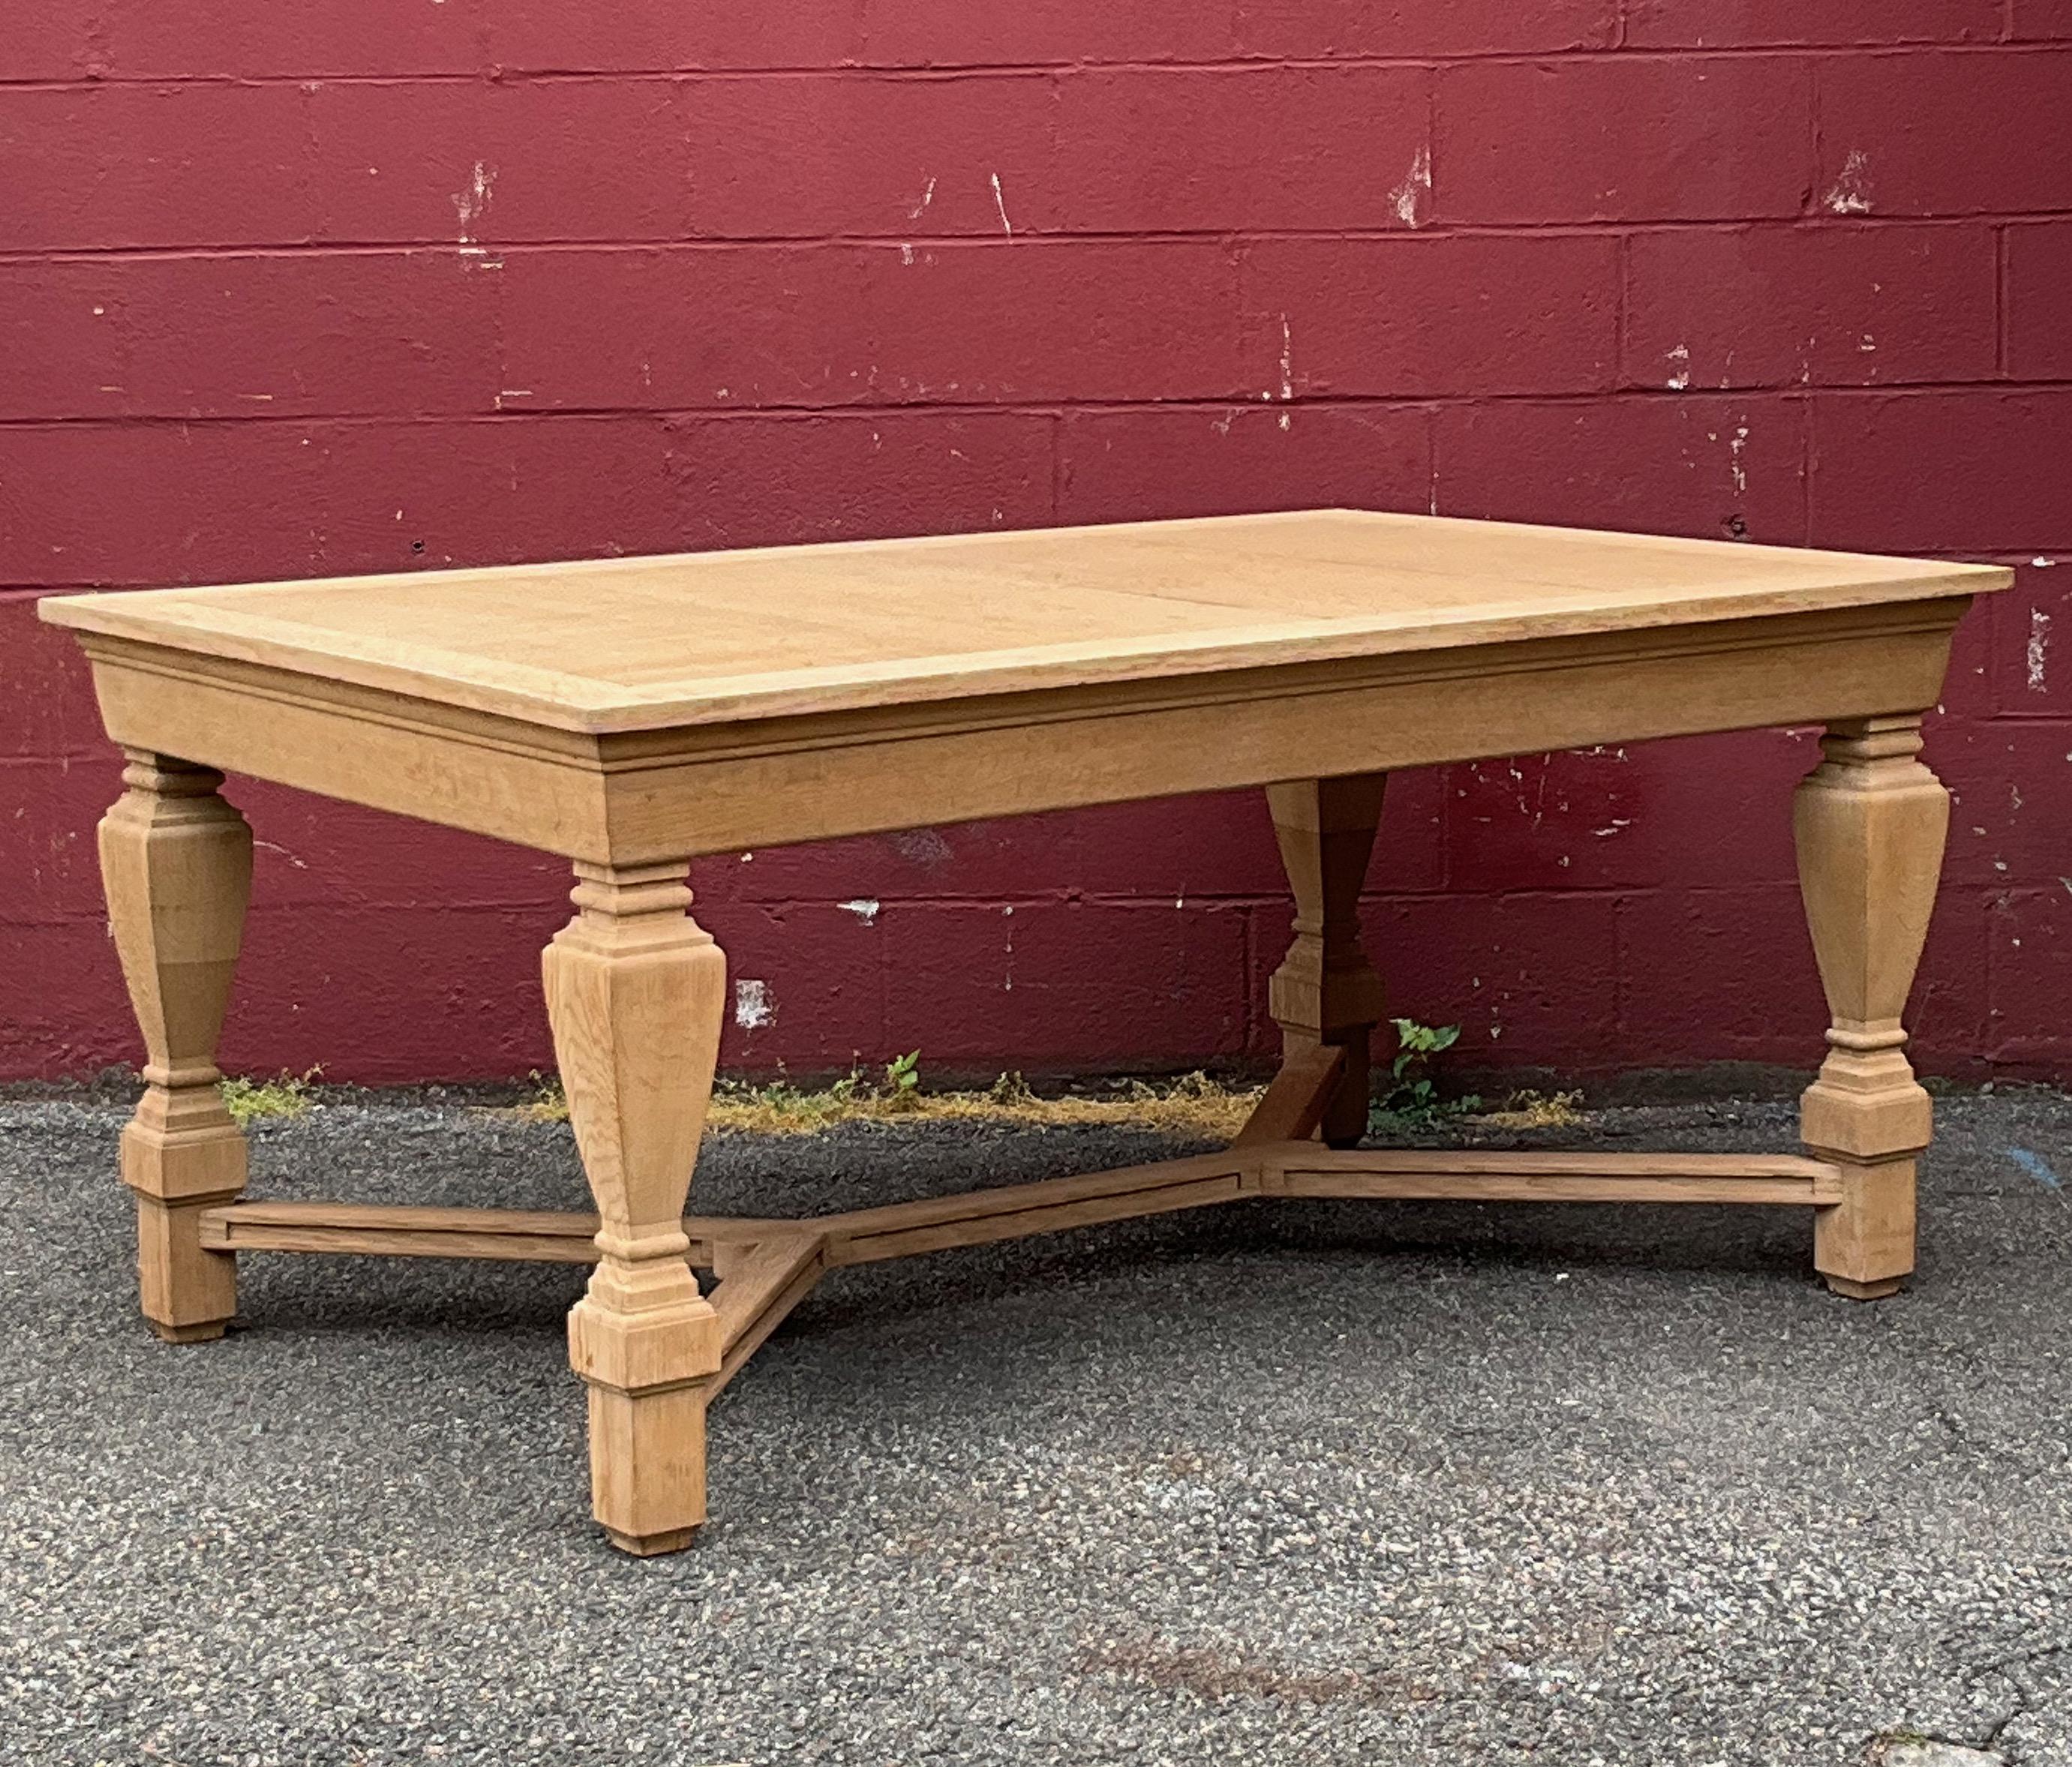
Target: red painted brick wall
[{"x": 301, "y": 288}]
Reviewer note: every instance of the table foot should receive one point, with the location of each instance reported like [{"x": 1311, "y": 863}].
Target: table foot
[
  {"x": 1852, "y": 1290},
  {"x": 652, "y": 1546},
  {"x": 206, "y": 1333}
]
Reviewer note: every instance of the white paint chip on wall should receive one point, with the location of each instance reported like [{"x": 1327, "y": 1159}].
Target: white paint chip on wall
[{"x": 753, "y": 1006}]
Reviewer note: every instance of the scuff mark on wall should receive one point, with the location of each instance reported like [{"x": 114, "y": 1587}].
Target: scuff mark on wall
[
  {"x": 472, "y": 203},
  {"x": 1679, "y": 375},
  {"x": 1286, "y": 366},
  {"x": 1411, "y": 195},
  {"x": 753, "y": 1006},
  {"x": 1850, "y": 194},
  {"x": 865, "y": 908},
  {"x": 1000, "y": 203}
]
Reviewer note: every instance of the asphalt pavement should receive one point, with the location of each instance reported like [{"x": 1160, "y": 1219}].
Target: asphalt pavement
[{"x": 1316, "y": 1483}]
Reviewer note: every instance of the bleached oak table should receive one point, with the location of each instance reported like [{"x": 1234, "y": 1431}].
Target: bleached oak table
[{"x": 636, "y": 713}]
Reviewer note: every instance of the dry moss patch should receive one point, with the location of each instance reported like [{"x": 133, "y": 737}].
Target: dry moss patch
[{"x": 1195, "y": 1105}]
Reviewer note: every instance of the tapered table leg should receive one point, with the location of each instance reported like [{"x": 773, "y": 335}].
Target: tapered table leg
[
  {"x": 1870, "y": 821},
  {"x": 1325, "y": 992},
  {"x": 634, "y": 991},
  {"x": 176, "y": 864}
]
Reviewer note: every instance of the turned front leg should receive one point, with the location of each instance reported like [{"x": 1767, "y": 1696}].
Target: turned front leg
[
  {"x": 176, "y": 864},
  {"x": 634, "y": 991},
  {"x": 1870, "y": 822},
  {"x": 1325, "y": 992}
]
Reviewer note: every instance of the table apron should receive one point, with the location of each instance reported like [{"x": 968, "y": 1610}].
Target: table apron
[{"x": 665, "y": 795}]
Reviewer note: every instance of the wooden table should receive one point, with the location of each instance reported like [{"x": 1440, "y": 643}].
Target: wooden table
[{"x": 633, "y": 714}]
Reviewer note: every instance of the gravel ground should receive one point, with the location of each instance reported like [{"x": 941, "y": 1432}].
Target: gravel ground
[{"x": 1401, "y": 1485}]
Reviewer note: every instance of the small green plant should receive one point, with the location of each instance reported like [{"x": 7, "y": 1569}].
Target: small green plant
[
  {"x": 1412, "y": 1100},
  {"x": 903, "y": 1081},
  {"x": 1011, "y": 1089},
  {"x": 248, "y": 1100}
]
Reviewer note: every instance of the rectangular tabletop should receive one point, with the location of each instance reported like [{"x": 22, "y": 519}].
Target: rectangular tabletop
[{"x": 1150, "y": 657}]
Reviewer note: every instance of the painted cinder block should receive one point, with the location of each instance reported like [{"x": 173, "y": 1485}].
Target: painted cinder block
[
  {"x": 2039, "y": 302},
  {"x": 545, "y": 36},
  {"x": 54, "y": 42},
  {"x": 634, "y": 327},
  {"x": 260, "y": 334},
  {"x": 1096, "y": 982},
  {"x": 1036, "y": 33},
  {"x": 1946, "y": 132},
  {"x": 46, "y": 709},
  {"x": 1021, "y": 320},
  {"x": 1845, "y": 304},
  {"x": 1434, "y": 316},
  {"x": 1628, "y": 816},
  {"x": 764, "y": 481},
  {"x": 297, "y": 39},
  {"x": 1842, "y": 24},
  {"x": 1408, "y": 27},
  {"x": 204, "y": 164},
  {"x": 1613, "y": 139},
  {"x": 1271, "y": 148},
  {"x": 94, "y": 503},
  {"x": 865, "y": 154},
  {"x": 1151, "y": 465},
  {"x": 1712, "y": 466},
  {"x": 2048, "y": 21},
  {"x": 1976, "y": 471},
  {"x": 475, "y": 164}
]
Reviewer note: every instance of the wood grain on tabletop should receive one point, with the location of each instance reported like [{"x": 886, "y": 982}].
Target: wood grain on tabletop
[{"x": 637, "y": 643}]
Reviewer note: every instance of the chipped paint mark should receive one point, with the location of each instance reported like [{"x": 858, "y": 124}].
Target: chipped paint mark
[
  {"x": 928, "y": 196},
  {"x": 1613, "y": 827},
  {"x": 1007, "y": 983},
  {"x": 1680, "y": 376},
  {"x": 922, "y": 846},
  {"x": 1868, "y": 347},
  {"x": 2040, "y": 563},
  {"x": 1410, "y": 196},
  {"x": 753, "y": 1006},
  {"x": 1221, "y": 425},
  {"x": 2036, "y": 1167},
  {"x": 2039, "y": 644},
  {"x": 906, "y": 254},
  {"x": 1738, "y": 465},
  {"x": 472, "y": 203},
  {"x": 1851, "y": 193},
  {"x": 1000, "y": 203},
  {"x": 865, "y": 908},
  {"x": 1286, "y": 366}
]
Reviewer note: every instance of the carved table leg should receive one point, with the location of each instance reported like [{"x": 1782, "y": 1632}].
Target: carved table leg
[
  {"x": 176, "y": 863},
  {"x": 634, "y": 991},
  {"x": 1870, "y": 821},
  {"x": 1325, "y": 992}
]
